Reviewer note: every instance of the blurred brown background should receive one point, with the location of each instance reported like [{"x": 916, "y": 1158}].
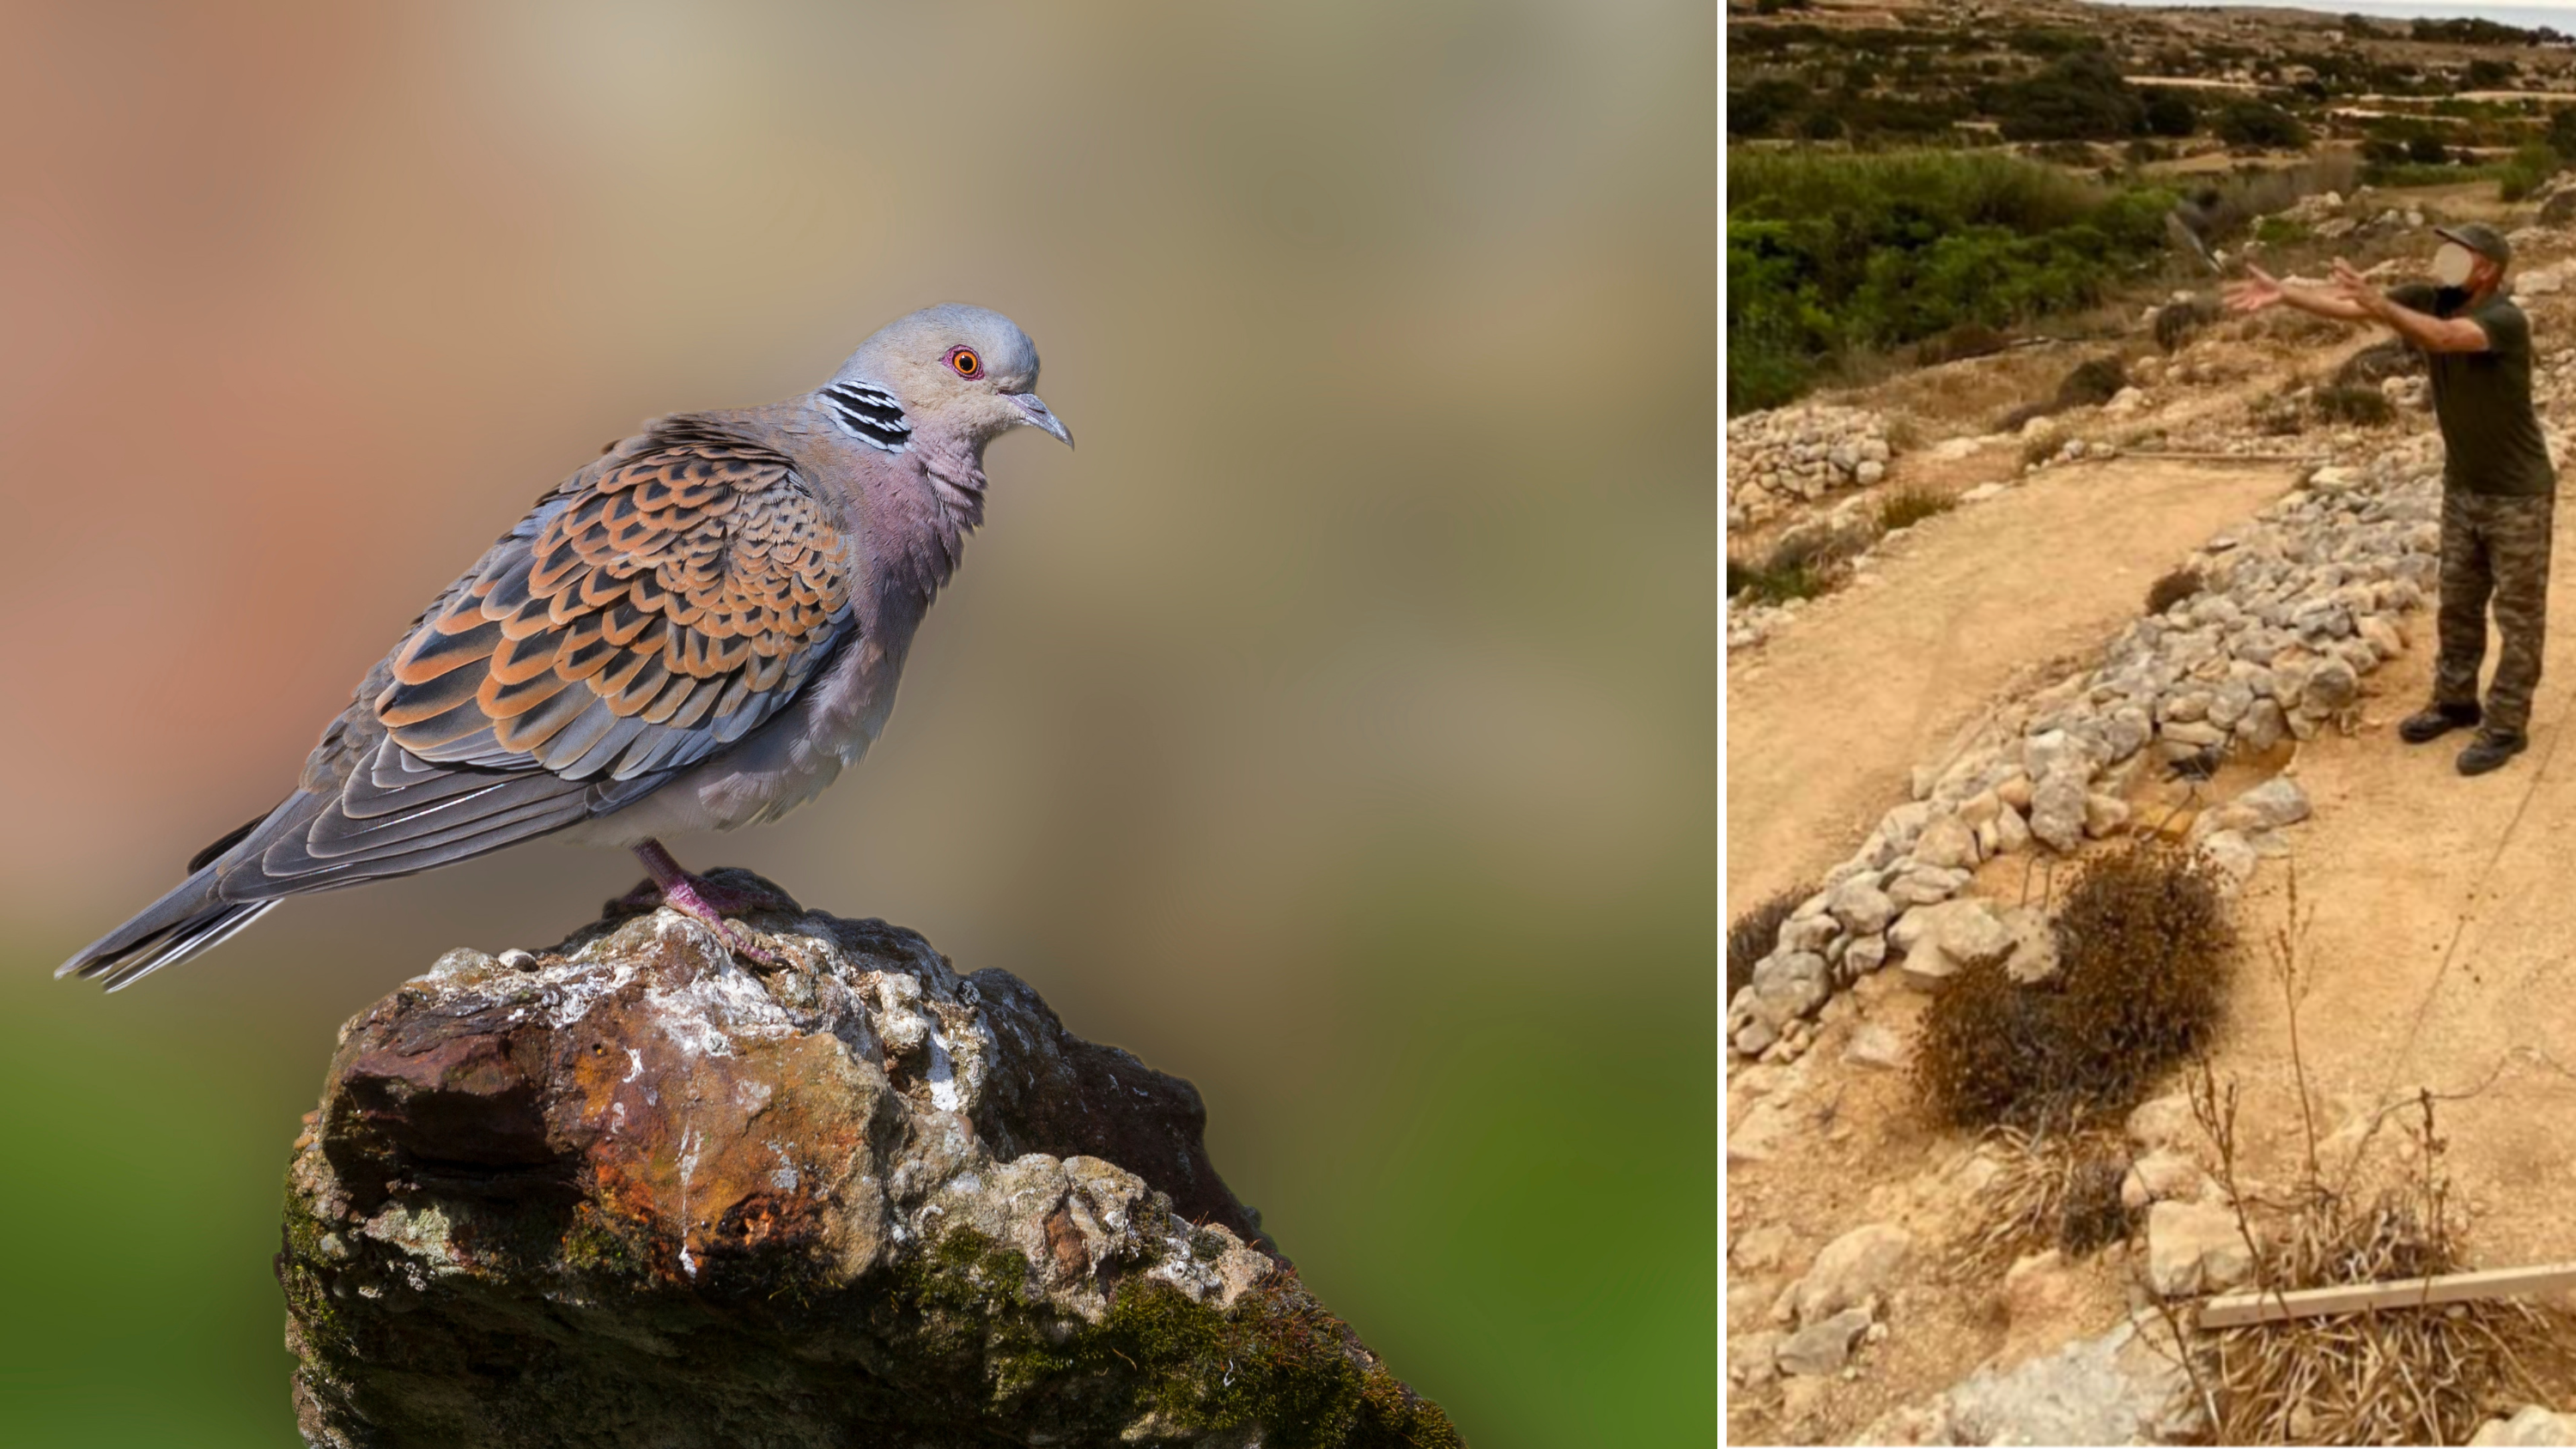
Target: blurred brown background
[{"x": 1334, "y": 728}]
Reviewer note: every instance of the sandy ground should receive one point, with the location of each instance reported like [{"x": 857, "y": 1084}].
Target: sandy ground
[
  {"x": 2443, "y": 949},
  {"x": 1824, "y": 727}
]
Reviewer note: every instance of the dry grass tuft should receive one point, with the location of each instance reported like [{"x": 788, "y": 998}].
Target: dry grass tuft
[
  {"x": 2177, "y": 321},
  {"x": 2145, "y": 950},
  {"x": 1906, "y": 507},
  {"x": 2357, "y": 406},
  {"x": 2053, "y": 1189}
]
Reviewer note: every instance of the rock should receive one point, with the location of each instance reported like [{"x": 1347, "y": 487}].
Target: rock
[
  {"x": 1925, "y": 886},
  {"x": 2012, "y": 833},
  {"x": 1865, "y": 954},
  {"x": 1752, "y": 1359},
  {"x": 2542, "y": 283},
  {"x": 2195, "y": 1247},
  {"x": 1874, "y": 1045},
  {"x": 1823, "y": 1348},
  {"x": 2532, "y": 1425},
  {"x": 1861, "y": 906},
  {"x": 2263, "y": 726},
  {"x": 2039, "y": 1288},
  {"x": 2161, "y": 1176},
  {"x": 2057, "y": 812},
  {"x": 2276, "y": 802},
  {"x": 1869, "y": 472},
  {"x": 1853, "y": 1269},
  {"x": 638, "y": 1192},
  {"x": 1940, "y": 941},
  {"x": 2113, "y": 1389},
  {"x": 1764, "y": 1130},
  {"x": 2231, "y": 853},
  {"x": 2034, "y": 954},
  {"x": 1807, "y": 932},
  {"x": 2104, "y": 815},
  {"x": 2333, "y": 686},
  {"x": 1790, "y": 985},
  {"x": 2164, "y": 1122},
  {"x": 1760, "y": 1250},
  {"x": 2198, "y": 734},
  {"x": 1948, "y": 843}
]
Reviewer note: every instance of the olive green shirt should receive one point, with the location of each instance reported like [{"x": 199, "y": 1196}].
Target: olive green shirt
[{"x": 2491, "y": 438}]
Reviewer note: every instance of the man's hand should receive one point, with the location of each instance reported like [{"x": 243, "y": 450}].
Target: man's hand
[
  {"x": 2254, "y": 295},
  {"x": 2353, "y": 287}
]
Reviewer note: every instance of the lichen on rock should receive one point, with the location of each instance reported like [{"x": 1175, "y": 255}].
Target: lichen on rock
[{"x": 633, "y": 1191}]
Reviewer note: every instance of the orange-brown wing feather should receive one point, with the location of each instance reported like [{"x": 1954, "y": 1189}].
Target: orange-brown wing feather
[{"x": 647, "y": 615}]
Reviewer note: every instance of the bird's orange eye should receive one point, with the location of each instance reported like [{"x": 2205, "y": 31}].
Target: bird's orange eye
[{"x": 966, "y": 362}]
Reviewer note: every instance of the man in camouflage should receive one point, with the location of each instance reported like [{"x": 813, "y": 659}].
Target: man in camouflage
[{"x": 2498, "y": 488}]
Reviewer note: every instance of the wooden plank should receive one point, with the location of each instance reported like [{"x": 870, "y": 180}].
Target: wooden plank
[
  {"x": 2240, "y": 1308},
  {"x": 2163, "y": 457}
]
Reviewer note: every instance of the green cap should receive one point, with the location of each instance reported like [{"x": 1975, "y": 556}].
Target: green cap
[{"x": 2481, "y": 238}]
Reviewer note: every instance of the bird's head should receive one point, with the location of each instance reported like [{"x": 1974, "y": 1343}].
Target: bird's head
[{"x": 954, "y": 371}]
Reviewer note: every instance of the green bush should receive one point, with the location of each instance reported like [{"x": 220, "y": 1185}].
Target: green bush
[
  {"x": 1827, "y": 251},
  {"x": 2426, "y": 149},
  {"x": 2278, "y": 231},
  {"x": 2259, "y": 123},
  {"x": 2080, "y": 96},
  {"x": 2170, "y": 113},
  {"x": 2531, "y": 165}
]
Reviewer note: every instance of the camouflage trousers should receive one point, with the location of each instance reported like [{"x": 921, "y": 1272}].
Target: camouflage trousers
[{"x": 2493, "y": 548}]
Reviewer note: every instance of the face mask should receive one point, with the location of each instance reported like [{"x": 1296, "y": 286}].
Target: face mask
[{"x": 2453, "y": 263}]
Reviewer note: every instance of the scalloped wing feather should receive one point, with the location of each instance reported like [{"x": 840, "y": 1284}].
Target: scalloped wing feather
[{"x": 648, "y": 615}]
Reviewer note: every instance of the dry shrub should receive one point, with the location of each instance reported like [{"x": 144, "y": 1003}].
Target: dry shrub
[
  {"x": 1906, "y": 507},
  {"x": 2427, "y": 1375},
  {"x": 2051, "y": 1189},
  {"x": 2173, "y": 588},
  {"x": 1756, "y": 933},
  {"x": 2363, "y": 407},
  {"x": 1968, "y": 339},
  {"x": 2145, "y": 947},
  {"x": 2279, "y": 415},
  {"x": 2094, "y": 381},
  {"x": 2377, "y": 363},
  {"x": 2177, "y": 321}
]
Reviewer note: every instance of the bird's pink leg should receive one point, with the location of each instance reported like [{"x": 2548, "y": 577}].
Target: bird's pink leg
[{"x": 700, "y": 901}]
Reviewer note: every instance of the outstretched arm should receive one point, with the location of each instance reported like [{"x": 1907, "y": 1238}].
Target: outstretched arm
[
  {"x": 2265, "y": 290},
  {"x": 2431, "y": 333}
]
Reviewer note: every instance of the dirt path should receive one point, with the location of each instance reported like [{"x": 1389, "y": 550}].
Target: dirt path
[{"x": 1824, "y": 726}]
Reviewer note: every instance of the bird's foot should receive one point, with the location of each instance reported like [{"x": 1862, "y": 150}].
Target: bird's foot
[
  {"x": 692, "y": 897},
  {"x": 705, "y": 901}
]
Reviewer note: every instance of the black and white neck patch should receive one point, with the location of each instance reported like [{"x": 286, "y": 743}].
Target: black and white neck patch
[{"x": 870, "y": 414}]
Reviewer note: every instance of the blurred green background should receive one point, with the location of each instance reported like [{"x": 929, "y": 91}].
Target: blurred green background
[{"x": 1334, "y": 728}]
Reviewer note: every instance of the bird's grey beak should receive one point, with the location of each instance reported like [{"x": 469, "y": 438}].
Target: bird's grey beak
[{"x": 1040, "y": 417}]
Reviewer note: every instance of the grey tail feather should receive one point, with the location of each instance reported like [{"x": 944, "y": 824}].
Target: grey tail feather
[{"x": 189, "y": 921}]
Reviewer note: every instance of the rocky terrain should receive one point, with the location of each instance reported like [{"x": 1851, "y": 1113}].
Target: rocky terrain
[
  {"x": 632, "y": 1190},
  {"x": 2247, "y": 716}
]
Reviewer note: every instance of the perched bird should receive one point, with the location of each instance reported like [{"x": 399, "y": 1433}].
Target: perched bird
[{"x": 698, "y": 630}]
